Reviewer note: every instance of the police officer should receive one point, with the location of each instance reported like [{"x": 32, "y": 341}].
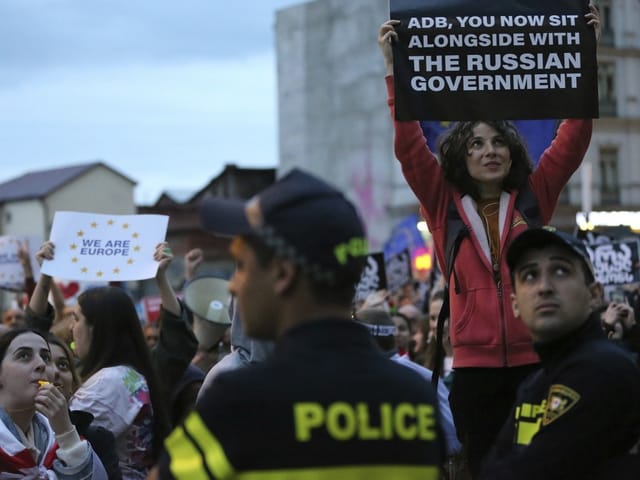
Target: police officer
[
  {"x": 578, "y": 417},
  {"x": 327, "y": 404},
  {"x": 382, "y": 329}
]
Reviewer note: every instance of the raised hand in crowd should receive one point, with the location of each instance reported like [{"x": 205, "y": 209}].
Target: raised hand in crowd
[
  {"x": 618, "y": 319},
  {"x": 39, "y": 299},
  {"x": 192, "y": 260},
  {"x": 176, "y": 343},
  {"x": 164, "y": 255},
  {"x": 25, "y": 258}
]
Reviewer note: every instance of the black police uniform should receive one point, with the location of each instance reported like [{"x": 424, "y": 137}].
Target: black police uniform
[
  {"x": 326, "y": 405},
  {"x": 576, "y": 417}
]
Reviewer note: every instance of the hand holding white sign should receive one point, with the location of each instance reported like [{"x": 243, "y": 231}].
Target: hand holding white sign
[{"x": 100, "y": 247}]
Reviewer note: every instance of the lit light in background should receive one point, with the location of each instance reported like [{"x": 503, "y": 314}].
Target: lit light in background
[
  {"x": 591, "y": 220},
  {"x": 422, "y": 260}
]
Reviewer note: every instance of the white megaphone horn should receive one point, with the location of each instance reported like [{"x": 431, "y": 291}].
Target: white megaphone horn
[{"x": 209, "y": 299}]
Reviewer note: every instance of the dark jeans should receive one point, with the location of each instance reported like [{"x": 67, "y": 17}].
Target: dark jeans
[{"x": 480, "y": 400}]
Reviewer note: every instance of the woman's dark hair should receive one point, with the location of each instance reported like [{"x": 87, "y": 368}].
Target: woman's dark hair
[
  {"x": 53, "y": 340},
  {"x": 422, "y": 324},
  {"x": 9, "y": 336},
  {"x": 117, "y": 339},
  {"x": 454, "y": 150},
  {"x": 437, "y": 295}
]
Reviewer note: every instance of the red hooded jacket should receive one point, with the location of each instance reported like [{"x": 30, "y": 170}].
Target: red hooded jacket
[{"x": 483, "y": 329}]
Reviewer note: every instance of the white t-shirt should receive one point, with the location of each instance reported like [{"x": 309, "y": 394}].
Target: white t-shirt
[{"x": 119, "y": 399}]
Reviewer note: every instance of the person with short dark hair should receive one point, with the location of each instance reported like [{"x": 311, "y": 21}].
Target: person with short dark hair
[
  {"x": 578, "y": 417},
  {"x": 327, "y": 403},
  {"x": 382, "y": 327}
]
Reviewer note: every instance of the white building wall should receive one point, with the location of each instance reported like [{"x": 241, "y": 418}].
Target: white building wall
[
  {"x": 626, "y": 18},
  {"x": 99, "y": 190},
  {"x": 25, "y": 217},
  {"x": 333, "y": 118}
]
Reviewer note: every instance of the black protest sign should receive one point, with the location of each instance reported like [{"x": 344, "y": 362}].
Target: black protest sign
[
  {"x": 616, "y": 263},
  {"x": 373, "y": 277},
  {"x": 398, "y": 270},
  {"x": 504, "y": 59}
]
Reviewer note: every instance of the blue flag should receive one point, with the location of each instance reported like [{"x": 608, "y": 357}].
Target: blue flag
[
  {"x": 537, "y": 134},
  {"x": 404, "y": 236}
]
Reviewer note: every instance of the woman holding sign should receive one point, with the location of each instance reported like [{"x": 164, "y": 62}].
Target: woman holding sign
[
  {"x": 483, "y": 167},
  {"x": 119, "y": 385}
]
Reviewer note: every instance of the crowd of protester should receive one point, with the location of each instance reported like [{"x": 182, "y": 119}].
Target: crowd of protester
[
  {"x": 504, "y": 376},
  {"x": 126, "y": 384}
]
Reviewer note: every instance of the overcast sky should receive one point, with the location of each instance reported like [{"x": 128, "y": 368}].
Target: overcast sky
[{"x": 165, "y": 92}]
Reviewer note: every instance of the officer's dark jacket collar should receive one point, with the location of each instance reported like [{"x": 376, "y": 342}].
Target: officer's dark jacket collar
[
  {"x": 329, "y": 333},
  {"x": 552, "y": 352}
]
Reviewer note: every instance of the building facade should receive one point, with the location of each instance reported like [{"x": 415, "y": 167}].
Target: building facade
[
  {"x": 185, "y": 232},
  {"x": 28, "y": 203}
]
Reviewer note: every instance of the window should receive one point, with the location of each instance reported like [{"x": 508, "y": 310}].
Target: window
[
  {"x": 609, "y": 183},
  {"x": 606, "y": 23},
  {"x": 607, "y": 88}
]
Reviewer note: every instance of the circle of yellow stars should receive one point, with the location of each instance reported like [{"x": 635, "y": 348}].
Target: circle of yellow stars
[{"x": 117, "y": 269}]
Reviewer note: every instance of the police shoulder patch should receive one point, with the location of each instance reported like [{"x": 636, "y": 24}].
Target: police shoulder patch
[{"x": 560, "y": 400}]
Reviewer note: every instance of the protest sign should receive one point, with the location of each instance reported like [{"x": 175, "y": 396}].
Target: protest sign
[
  {"x": 373, "y": 277},
  {"x": 96, "y": 247},
  {"x": 616, "y": 263},
  {"x": 398, "y": 270},
  {"x": 11, "y": 270},
  {"x": 504, "y": 59}
]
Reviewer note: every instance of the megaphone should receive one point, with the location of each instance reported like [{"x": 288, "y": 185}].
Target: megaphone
[{"x": 209, "y": 299}]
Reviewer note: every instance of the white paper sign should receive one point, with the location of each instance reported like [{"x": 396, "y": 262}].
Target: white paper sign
[{"x": 96, "y": 247}]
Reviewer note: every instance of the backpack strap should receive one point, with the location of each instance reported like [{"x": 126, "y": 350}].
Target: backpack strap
[
  {"x": 457, "y": 231},
  {"x": 439, "y": 354},
  {"x": 527, "y": 204}
]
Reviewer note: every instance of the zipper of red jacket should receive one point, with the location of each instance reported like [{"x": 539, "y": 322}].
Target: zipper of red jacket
[{"x": 503, "y": 327}]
